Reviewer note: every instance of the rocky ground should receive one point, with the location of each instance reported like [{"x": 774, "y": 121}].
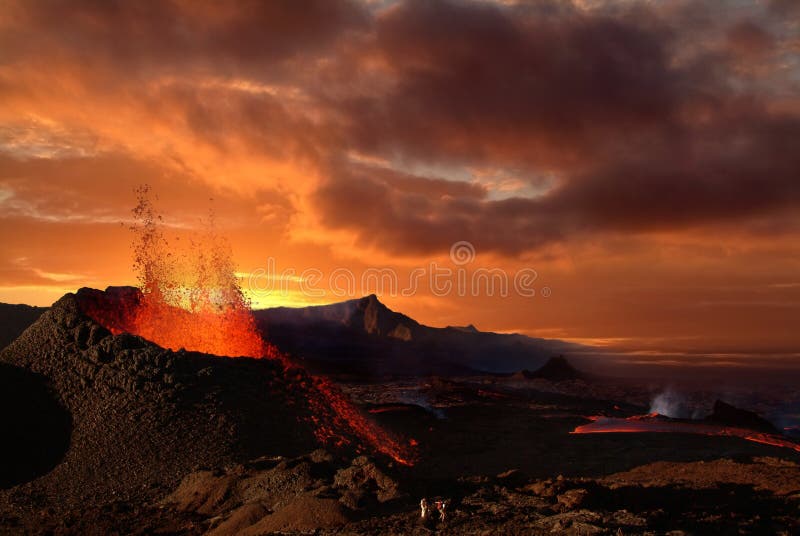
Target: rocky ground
[
  {"x": 320, "y": 494},
  {"x": 113, "y": 435}
]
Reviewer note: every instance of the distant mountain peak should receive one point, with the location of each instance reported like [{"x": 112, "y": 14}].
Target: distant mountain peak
[
  {"x": 557, "y": 368},
  {"x": 380, "y": 320},
  {"x": 367, "y": 314},
  {"x": 470, "y": 328},
  {"x": 371, "y": 301}
]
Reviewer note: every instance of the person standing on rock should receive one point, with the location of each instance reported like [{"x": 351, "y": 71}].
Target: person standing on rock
[{"x": 441, "y": 506}]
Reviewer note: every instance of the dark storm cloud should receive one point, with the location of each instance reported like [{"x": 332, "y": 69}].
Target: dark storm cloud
[
  {"x": 735, "y": 170},
  {"x": 641, "y": 133},
  {"x": 748, "y": 38},
  {"x": 628, "y": 118},
  {"x": 410, "y": 214},
  {"x": 475, "y": 81},
  {"x": 176, "y": 35}
]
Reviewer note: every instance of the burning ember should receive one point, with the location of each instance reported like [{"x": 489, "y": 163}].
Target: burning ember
[
  {"x": 655, "y": 423},
  {"x": 198, "y": 305}
]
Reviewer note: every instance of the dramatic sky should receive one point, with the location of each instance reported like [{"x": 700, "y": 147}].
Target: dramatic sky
[{"x": 643, "y": 157}]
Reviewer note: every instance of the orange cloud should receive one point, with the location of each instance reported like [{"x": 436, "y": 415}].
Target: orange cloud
[{"x": 639, "y": 157}]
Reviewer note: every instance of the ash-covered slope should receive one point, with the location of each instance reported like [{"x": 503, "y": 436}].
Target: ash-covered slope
[
  {"x": 143, "y": 417},
  {"x": 363, "y": 337}
]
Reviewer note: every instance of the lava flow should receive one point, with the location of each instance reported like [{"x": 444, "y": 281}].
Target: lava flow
[
  {"x": 202, "y": 308},
  {"x": 655, "y": 423}
]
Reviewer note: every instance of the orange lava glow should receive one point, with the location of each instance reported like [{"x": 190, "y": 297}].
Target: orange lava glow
[
  {"x": 197, "y": 304},
  {"x": 230, "y": 332},
  {"x": 655, "y": 423},
  {"x": 205, "y": 311},
  {"x": 345, "y": 415}
]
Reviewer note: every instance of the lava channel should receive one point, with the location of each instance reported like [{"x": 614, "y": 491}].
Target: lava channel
[{"x": 655, "y": 423}]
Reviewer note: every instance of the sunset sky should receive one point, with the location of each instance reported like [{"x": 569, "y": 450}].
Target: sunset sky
[{"x": 643, "y": 157}]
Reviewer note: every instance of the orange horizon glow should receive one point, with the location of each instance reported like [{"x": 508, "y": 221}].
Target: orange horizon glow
[{"x": 643, "y": 168}]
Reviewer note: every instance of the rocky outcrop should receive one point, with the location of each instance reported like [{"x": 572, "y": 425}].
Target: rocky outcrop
[{"x": 268, "y": 495}]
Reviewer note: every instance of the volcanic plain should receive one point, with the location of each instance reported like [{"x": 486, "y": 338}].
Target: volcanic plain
[{"x": 109, "y": 433}]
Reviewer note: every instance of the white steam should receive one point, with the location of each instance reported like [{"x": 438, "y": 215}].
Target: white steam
[{"x": 670, "y": 404}]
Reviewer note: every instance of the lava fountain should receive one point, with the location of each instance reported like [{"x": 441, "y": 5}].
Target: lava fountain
[
  {"x": 195, "y": 302},
  {"x": 655, "y": 423}
]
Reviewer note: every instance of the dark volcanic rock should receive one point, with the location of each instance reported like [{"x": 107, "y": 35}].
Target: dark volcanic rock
[
  {"x": 142, "y": 416},
  {"x": 362, "y": 478},
  {"x": 732, "y": 416},
  {"x": 269, "y": 495}
]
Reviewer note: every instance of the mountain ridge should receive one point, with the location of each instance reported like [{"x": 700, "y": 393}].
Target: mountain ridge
[
  {"x": 367, "y": 312},
  {"x": 363, "y": 337},
  {"x": 15, "y": 318}
]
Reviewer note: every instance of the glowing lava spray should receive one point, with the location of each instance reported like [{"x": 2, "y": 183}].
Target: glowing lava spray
[{"x": 194, "y": 301}]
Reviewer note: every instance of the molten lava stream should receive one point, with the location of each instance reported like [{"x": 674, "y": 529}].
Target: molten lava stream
[{"x": 654, "y": 423}]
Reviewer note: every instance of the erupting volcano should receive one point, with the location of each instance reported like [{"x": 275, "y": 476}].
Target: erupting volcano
[{"x": 195, "y": 302}]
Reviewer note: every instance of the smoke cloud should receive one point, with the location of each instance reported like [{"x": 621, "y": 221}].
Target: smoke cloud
[{"x": 670, "y": 403}]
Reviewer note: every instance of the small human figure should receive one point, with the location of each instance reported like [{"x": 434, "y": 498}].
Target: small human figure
[
  {"x": 424, "y": 508},
  {"x": 441, "y": 506}
]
